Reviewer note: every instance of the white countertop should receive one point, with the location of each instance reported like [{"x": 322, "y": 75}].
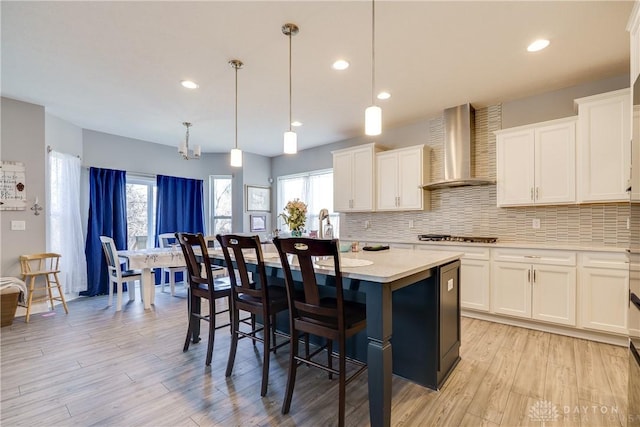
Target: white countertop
[{"x": 388, "y": 265}]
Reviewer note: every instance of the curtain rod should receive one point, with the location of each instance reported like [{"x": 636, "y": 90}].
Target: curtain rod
[
  {"x": 49, "y": 149},
  {"x": 131, "y": 173}
]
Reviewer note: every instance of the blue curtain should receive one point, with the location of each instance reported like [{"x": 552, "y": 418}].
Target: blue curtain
[
  {"x": 107, "y": 217},
  {"x": 179, "y": 207}
]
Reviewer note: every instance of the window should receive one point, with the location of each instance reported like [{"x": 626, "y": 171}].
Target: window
[
  {"x": 313, "y": 188},
  {"x": 220, "y": 206},
  {"x": 141, "y": 212}
]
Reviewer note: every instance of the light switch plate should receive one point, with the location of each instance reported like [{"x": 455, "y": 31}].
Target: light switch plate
[{"x": 18, "y": 225}]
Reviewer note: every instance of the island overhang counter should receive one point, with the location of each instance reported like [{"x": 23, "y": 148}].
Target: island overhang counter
[{"x": 413, "y": 316}]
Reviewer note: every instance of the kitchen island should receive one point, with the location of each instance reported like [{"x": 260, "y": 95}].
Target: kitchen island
[{"x": 413, "y": 316}]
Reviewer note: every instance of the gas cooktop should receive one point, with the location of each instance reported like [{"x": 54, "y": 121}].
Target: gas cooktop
[{"x": 449, "y": 238}]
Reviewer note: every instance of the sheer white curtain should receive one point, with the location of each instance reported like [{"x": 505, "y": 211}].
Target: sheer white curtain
[{"x": 64, "y": 224}]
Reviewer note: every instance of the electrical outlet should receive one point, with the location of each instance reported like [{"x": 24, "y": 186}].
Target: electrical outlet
[
  {"x": 536, "y": 223},
  {"x": 410, "y": 223},
  {"x": 367, "y": 225},
  {"x": 18, "y": 225}
]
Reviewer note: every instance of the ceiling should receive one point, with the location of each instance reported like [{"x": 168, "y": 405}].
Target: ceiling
[{"x": 116, "y": 67}]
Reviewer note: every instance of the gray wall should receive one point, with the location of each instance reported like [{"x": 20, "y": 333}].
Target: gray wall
[
  {"x": 556, "y": 104},
  {"x": 23, "y": 140}
]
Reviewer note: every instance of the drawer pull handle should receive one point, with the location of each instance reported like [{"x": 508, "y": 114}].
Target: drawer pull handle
[{"x": 532, "y": 256}]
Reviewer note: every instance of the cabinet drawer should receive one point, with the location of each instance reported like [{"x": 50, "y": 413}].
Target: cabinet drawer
[
  {"x": 470, "y": 252},
  {"x": 533, "y": 256},
  {"x": 604, "y": 260}
]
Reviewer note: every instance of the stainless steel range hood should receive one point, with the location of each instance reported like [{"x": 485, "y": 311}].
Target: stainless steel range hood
[{"x": 458, "y": 149}]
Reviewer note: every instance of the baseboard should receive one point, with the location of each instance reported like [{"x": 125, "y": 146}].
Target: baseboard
[{"x": 613, "y": 339}]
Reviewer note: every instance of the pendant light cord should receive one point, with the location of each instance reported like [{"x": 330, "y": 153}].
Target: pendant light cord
[
  {"x": 236, "y": 110},
  {"x": 373, "y": 51},
  {"x": 290, "y": 115}
]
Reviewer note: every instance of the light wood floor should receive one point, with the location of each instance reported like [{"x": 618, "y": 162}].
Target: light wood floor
[{"x": 98, "y": 367}]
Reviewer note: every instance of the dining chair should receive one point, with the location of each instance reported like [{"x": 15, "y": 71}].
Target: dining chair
[
  {"x": 45, "y": 266},
  {"x": 166, "y": 240},
  {"x": 118, "y": 276},
  {"x": 253, "y": 294},
  {"x": 202, "y": 285},
  {"x": 311, "y": 312}
]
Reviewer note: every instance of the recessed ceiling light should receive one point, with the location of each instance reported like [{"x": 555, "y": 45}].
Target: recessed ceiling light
[
  {"x": 296, "y": 123},
  {"x": 189, "y": 84},
  {"x": 538, "y": 45},
  {"x": 384, "y": 95},
  {"x": 340, "y": 64}
]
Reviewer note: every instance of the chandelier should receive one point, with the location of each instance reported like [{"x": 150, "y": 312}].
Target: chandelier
[{"x": 184, "y": 147}]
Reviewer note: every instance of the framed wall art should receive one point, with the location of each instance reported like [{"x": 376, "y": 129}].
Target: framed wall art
[
  {"x": 257, "y": 222},
  {"x": 257, "y": 199},
  {"x": 13, "y": 196}
]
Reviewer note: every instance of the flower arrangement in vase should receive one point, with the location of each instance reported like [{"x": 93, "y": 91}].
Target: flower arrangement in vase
[{"x": 295, "y": 216}]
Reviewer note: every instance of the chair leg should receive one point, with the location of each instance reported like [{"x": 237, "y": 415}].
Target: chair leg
[
  {"x": 342, "y": 380},
  {"x": 32, "y": 283},
  {"x": 119, "y": 297},
  {"x": 212, "y": 330},
  {"x": 235, "y": 325},
  {"x": 49, "y": 291},
  {"x": 266, "y": 353},
  {"x": 131, "y": 290},
  {"x": 110, "y": 299},
  {"x": 190, "y": 303},
  {"x": 64, "y": 302},
  {"x": 291, "y": 378},
  {"x": 163, "y": 279},
  {"x": 273, "y": 333},
  {"x": 329, "y": 358},
  {"x": 253, "y": 326}
]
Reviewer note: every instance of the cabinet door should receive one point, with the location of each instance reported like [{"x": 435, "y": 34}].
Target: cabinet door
[
  {"x": 409, "y": 178},
  {"x": 362, "y": 180},
  {"x": 342, "y": 176},
  {"x": 603, "y": 144},
  {"x": 554, "y": 294},
  {"x": 555, "y": 164},
  {"x": 605, "y": 298},
  {"x": 387, "y": 181},
  {"x": 511, "y": 289},
  {"x": 514, "y": 167},
  {"x": 474, "y": 284}
]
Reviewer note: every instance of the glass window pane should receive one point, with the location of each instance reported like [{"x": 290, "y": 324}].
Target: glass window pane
[
  {"x": 137, "y": 214},
  {"x": 222, "y": 197}
]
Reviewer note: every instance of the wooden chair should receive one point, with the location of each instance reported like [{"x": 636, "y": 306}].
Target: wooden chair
[
  {"x": 166, "y": 240},
  {"x": 118, "y": 276},
  {"x": 330, "y": 317},
  {"x": 47, "y": 267},
  {"x": 253, "y": 296},
  {"x": 202, "y": 284}
]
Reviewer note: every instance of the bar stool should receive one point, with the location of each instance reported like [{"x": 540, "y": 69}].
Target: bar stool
[
  {"x": 46, "y": 266},
  {"x": 311, "y": 312}
]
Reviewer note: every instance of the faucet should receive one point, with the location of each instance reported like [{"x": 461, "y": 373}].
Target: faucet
[{"x": 324, "y": 213}]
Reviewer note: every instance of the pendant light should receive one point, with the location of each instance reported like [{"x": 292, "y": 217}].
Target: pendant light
[
  {"x": 373, "y": 114},
  {"x": 290, "y": 137},
  {"x": 236, "y": 153}
]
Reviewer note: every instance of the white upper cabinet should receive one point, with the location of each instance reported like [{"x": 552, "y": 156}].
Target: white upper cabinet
[
  {"x": 354, "y": 179},
  {"x": 536, "y": 164},
  {"x": 399, "y": 174},
  {"x": 603, "y": 147}
]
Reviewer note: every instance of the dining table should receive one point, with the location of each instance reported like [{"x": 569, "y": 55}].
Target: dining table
[
  {"x": 149, "y": 259},
  {"x": 413, "y": 312}
]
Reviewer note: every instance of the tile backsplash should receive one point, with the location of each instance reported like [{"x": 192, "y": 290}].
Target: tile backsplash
[{"x": 472, "y": 211}]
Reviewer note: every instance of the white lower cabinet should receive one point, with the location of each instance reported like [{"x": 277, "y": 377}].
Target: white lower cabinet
[
  {"x": 539, "y": 285},
  {"x": 604, "y": 292},
  {"x": 475, "y": 274}
]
